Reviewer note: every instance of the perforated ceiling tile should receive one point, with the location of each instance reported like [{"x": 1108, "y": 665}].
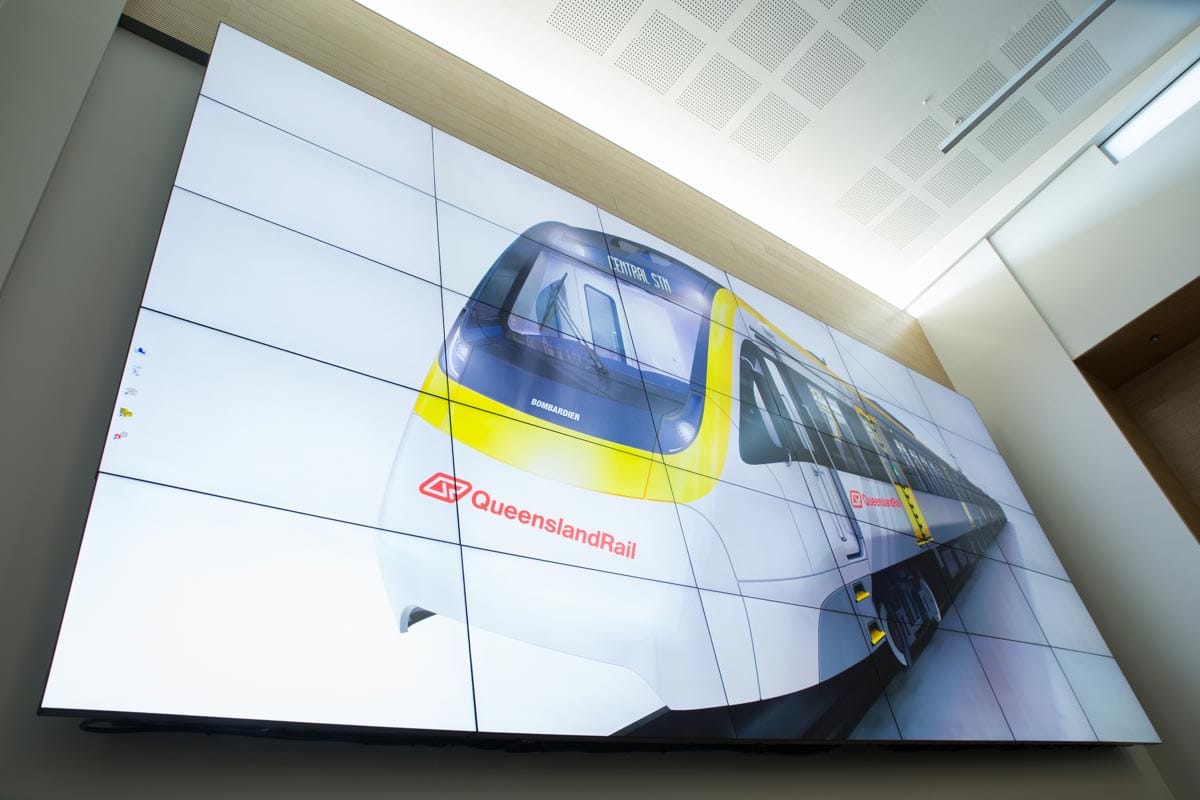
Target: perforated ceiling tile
[
  {"x": 771, "y": 31},
  {"x": 1071, "y": 78},
  {"x": 973, "y": 92},
  {"x": 824, "y": 70},
  {"x": 770, "y": 127},
  {"x": 712, "y": 13},
  {"x": 595, "y": 24},
  {"x": 910, "y": 219},
  {"x": 1012, "y": 130},
  {"x": 1034, "y": 35},
  {"x": 871, "y": 194},
  {"x": 877, "y": 21},
  {"x": 918, "y": 151},
  {"x": 829, "y": 3},
  {"x": 717, "y": 93},
  {"x": 961, "y": 174},
  {"x": 660, "y": 52}
]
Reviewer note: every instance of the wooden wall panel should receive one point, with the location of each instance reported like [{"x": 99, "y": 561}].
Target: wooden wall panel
[
  {"x": 1165, "y": 402},
  {"x": 385, "y": 60},
  {"x": 1155, "y": 335}
]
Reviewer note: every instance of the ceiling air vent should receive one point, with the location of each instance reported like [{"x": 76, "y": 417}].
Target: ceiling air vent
[
  {"x": 910, "y": 219},
  {"x": 712, "y": 13},
  {"x": 871, "y": 194},
  {"x": 660, "y": 52},
  {"x": 1036, "y": 34},
  {"x": 595, "y": 24},
  {"x": 918, "y": 151},
  {"x": 717, "y": 93},
  {"x": 824, "y": 70},
  {"x": 771, "y": 31},
  {"x": 1071, "y": 78},
  {"x": 877, "y": 21},
  {"x": 973, "y": 92},
  {"x": 771, "y": 127},
  {"x": 960, "y": 175},
  {"x": 1012, "y": 130}
]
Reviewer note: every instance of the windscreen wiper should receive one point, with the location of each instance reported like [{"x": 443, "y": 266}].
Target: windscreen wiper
[{"x": 559, "y": 304}]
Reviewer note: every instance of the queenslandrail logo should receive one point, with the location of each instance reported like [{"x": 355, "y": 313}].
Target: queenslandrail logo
[
  {"x": 450, "y": 489},
  {"x": 446, "y": 488},
  {"x": 860, "y": 500}
]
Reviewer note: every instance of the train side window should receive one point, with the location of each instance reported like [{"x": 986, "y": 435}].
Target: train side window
[
  {"x": 820, "y": 447},
  {"x": 760, "y": 439},
  {"x": 603, "y": 320},
  {"x": 867, "y": 445},
  {"x": 874, "y": 464},
  {"x": 798, "y": 404},
  {"x": 768, "y": 413}
]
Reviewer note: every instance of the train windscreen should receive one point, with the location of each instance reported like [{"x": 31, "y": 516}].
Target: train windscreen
[{"x": 557, "y": 345}]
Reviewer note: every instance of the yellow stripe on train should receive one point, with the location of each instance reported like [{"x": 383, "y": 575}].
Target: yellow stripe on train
[{"x": 545, "y": 448}]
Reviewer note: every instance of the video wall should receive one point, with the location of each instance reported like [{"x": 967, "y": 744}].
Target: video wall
[{"x": 410, "y": 439}]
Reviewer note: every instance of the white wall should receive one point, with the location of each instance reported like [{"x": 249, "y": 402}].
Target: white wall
[
  {"x": 65, "y": 317},
  {"x": 1092, "y": 250},
  {"x": 48, "y": 53},
  {"x": 1103, "y": 242},
  {"x": 1133, "y": 560}
]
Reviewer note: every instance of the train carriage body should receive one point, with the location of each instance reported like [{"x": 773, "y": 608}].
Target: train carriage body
[{"x": 649, "y": 474}]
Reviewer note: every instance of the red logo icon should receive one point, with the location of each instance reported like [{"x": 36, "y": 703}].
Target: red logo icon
[
  {"x": 446, "y": 488},
  {"x": 856, "y": 498}
]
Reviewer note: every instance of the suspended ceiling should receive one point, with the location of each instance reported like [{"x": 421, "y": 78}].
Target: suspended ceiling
[{"x": 817, "y": 119}]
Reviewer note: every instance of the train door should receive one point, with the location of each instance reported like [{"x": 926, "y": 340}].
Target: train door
[
  {"x": 820, "y": 475},
  {"x": 602, "y": 321},
  {"x": 578, "y": 302},
  {"x": 900, "y": 479}
]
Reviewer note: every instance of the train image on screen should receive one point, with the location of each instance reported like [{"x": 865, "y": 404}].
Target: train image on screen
[{"x": 648, "y": 473}]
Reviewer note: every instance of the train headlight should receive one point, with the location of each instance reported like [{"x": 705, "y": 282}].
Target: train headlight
[
  {"x": 457, "y": 353},
  {"x": 686, "y": 431}
]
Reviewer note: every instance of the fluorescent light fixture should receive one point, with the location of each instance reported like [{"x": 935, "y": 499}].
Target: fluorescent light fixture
[
  {"x": 1017, "y": 81},
  {"x": 1165, "y": 108}
]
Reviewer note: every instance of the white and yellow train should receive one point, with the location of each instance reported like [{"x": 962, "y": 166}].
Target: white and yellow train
[{"x": 648, "y": 473}]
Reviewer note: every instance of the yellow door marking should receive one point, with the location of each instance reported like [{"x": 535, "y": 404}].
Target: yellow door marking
[{"x": 907, "y": 499}]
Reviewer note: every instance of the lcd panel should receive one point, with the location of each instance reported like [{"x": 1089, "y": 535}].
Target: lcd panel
[
  {"x": 950, "y": 698},
  {"x": 310, "y": 105},
  {"x": 408, "y": 438},
  {"x": 986, "y": 468},
  {"x": 952, "y": 411},
  {"x": 495, "y": 190},
  {"x": 227, "y": 270},
  {"x": 1110, "y": 705},
  {"x": 234, "y": 159},
  {"x": 879, "y": 376},
  {"x": 189, "y": 604},
  {"x": 1024, "y": 544},
  {"x": 992, "y": 604},
  {"x": 1032, "y": 690}
]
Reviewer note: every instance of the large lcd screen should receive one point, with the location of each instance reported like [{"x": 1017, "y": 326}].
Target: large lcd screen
[{"x": 408, "y": 438}]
